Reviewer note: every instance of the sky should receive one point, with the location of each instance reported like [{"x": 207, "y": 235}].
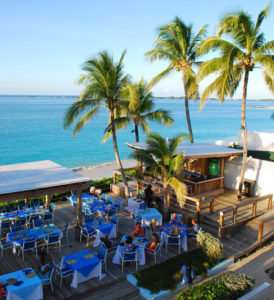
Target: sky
[{"x": 44, "y": 43}]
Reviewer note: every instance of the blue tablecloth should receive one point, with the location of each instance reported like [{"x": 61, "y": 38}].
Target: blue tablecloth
[
  {"x": 98, "y": 206},
  {"x": 85, "y": 198},
  {"x": 82, "y": 265},
  {"x": 182, "y": 229},
  {"x": 102, "y": 225},
  {"x": 19, "y": 237},
  {"x": 148, "y": 215},
  {"x": 22, "y": 213},
  {"x": 30, "y": 288}
]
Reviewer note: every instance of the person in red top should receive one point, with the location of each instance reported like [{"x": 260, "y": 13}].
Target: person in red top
[
  {"x": 138, "y": 231},
  {"x": 153, "y": 245}
]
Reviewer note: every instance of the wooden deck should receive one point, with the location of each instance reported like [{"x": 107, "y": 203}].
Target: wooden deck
[{"x": 112, "y": 286}]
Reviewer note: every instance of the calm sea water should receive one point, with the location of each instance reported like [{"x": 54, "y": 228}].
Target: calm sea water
[{"x": 31, "y": 129}]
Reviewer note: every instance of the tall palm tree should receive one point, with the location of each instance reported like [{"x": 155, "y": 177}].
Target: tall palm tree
[
  {"x": 104, "y": 83},
  {"x": 177, "y": 44},
  {"x": 137, "y": 109},
  {"x": 161, "y": 160},
  {"x": 237, "y": 59}
]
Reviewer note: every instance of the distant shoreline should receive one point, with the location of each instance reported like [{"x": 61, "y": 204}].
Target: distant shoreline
[
  {"x": 261, "y": 106},
  {"x": 154, "y": 97}
]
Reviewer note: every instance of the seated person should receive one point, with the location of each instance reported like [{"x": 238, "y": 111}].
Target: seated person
[
  {"x": 44, "y": 268},
  {"x": 154, "y": 227},
  {"x": 138, "y": 231},
  {"x": 107, "y": 242},
  {"x": 187, "y": 273},
  {"x": 153, "y": 245},
  {"x": 92, "y": 190},
  {"x": 175, "y": 220},
  {"x": 128, "y": 245},
  {"x": 194, "y": 229}
]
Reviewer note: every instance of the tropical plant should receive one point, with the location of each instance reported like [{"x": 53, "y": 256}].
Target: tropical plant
[
  {"x": 177, "y": 44},
  {"x": 162, "y": 161},
  {"x": 104, "y": 83},
  {"x": 137, "y": 109},
  {"x": 238, "y": 57}
]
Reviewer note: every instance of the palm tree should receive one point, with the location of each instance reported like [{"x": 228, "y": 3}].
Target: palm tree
[
  {"x": 237, "y": 59},
  {"x": 137, "y": 109},
  {"x": 104, "y": 83},
  {"x": 161, "y": 160},
  {"x": 177, "y": 44}
]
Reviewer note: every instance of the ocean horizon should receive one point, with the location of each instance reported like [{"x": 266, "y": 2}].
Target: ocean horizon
[{"x": 31, "y": 128}]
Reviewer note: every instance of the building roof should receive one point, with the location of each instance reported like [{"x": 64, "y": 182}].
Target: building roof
[
  {"x": 197, "y": 150},
  {"x": 39, "y": 175}
]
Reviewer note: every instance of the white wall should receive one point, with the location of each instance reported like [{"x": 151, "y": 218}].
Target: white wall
[
  {"x": 260, "y": 170},
  {"x": 263, "y": 141}
]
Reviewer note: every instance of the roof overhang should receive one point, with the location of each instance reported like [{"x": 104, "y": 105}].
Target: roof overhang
[
  {"x": 197, "y": 150},
  {"x": 19, "y": 181}
]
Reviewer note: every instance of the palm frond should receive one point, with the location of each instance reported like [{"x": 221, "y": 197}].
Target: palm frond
[
  {"x": 85, "y": 119},
  {"x": 179, "y": 188}
]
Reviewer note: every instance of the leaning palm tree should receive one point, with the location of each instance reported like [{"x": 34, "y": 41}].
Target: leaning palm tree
[
  {"x": 104, "y": 83},
  {"x": 237, "y": 59},
  {"x": 162, "y": 161},
  {"x": 177, "y": 44},
  {"x": 137, "y": 109}
]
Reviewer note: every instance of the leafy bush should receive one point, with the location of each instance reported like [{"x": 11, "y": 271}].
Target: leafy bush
[
  {"x": 166, "y": 275},
  {"x": 227, "y": 286},
  {"x": 212, "y": 246}
]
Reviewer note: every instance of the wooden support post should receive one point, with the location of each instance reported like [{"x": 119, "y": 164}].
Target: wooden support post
[
  {"x": 270, "y": 202},
  {"x": 254, "y": 209},
  {"x": 79, "y": 214},
  {"x": 260, "y": 231},
  {"x": 222, "y": 172},
  {"x": 221, "y": 224},
  {"x": 198, "y": 206},
  {"x": 47, "y": 201},
  {"x": 168, "y": 198},
  {"x": 235, "y": 211},
  {"x": 211, "y": 206},
  {"x": 26, "y": 201},
  {"x": 138, "y": 188},
  {"x": 114, "y": 177}
]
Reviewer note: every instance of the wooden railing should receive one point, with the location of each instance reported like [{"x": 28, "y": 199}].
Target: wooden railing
[
  {"x": 261, "y": 238},
  {"x": 234, "y": 210},
  {"x": 205, "y": 185}
]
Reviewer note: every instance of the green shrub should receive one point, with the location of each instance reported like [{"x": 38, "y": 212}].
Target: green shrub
[
  {"x": 212, "y": 246},
  {"x": 166, "y": 275},
  {"x": 227, "y": 286}
]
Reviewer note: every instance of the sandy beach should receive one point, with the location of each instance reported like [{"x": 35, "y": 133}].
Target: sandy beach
[{"x": 104, "y": 170}]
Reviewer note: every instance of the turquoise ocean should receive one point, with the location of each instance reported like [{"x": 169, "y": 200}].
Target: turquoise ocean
[{"x": 31, "y": 128}]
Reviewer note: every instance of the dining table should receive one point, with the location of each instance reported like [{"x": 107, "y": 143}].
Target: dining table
[
  {"x": 148, "y": 214},
  {"x": 22, "y": 285},
  {"x": 102, "y": 227},
  {"x": 140, "y": 243},
  {"x": 85, "y": 266},
  {"x": 96, "y": 206},
  {"x": 182, "y": 230},
  {"x": 133, "y": 204},
  {"x": 25, "y": 213}
]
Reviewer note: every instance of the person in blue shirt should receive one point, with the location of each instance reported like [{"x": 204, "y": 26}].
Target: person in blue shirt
[
  {"x": 44, "y": 268},
  {"x": 187, "y": 273}
]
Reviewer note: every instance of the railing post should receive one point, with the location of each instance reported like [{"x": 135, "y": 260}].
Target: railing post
[
  {"x": 138, "y": 187},
  {"x": 260, "y": 231},
  {"x": 235, "y": 211},
  {"x": 211, "y": 206},
  {"x": 221, "y": 224},
  {"x": 47, "y": 201},
  {"x": 254, "y": 209},
  {"x": 198, "y": 206},
  {"x": 26, "y": 201},
  {"x": 270, "y": 202},
  {"x": 114, "y": 177}
]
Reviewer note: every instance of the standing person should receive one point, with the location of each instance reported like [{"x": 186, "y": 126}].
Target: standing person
[
  {"x": 187, "y": 273},
  {"x": 148, "y": 195}
]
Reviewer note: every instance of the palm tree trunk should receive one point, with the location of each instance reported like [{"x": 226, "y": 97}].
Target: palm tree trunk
[
  {"x": 243, "y": 120},
  {"x": 187, "y": 111},
  {"x": 117, "y": 153},
  {"x": 136, "y": 128},
  {"x": 136, "y": 132}
]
